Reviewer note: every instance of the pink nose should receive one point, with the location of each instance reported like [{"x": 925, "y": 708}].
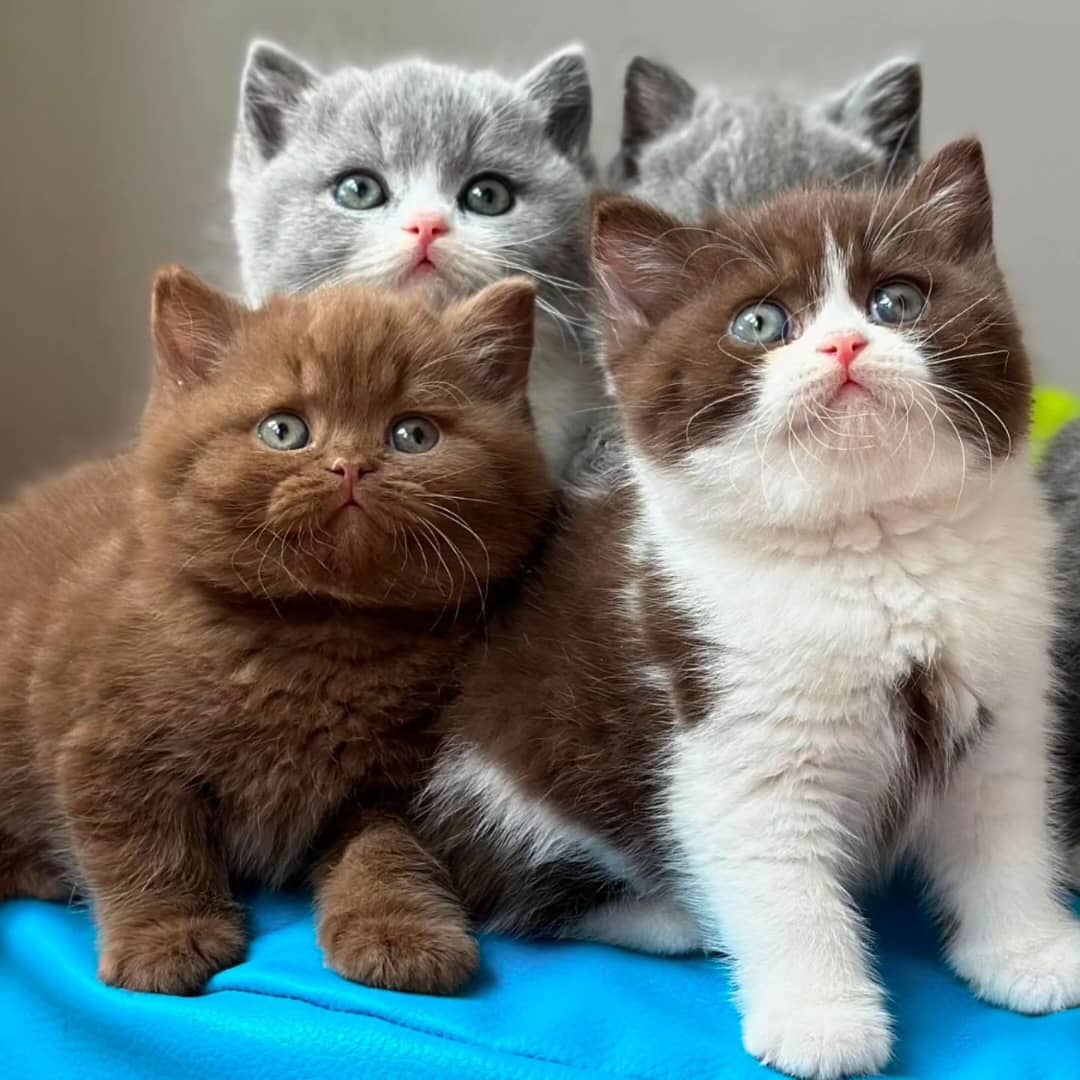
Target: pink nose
[
  {"x": 351, "y": 472},
  {"x": 427, "y": 228},
  {"x": 843, "y": 345}
]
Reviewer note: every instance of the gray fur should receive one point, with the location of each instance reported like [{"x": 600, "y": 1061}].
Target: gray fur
[
  {"x": 425, "y": 129},
  {"x": 1060, "y": 473},
  {"x": 689, "y": 152}
]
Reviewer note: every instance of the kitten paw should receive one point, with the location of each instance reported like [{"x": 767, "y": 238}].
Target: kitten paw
[
  {"x": 821, "y": 1038},
  {"x": 1028, "y": 973},
  {"x": 173, "y": 954},
  {"x": 417, "y": 955}
]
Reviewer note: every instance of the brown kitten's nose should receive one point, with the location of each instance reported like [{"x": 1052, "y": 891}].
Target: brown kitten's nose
[{"x": 350, "y": 472}]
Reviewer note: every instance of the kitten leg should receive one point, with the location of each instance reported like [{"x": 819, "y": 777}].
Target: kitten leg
[
  {"x": 386, "y": 914},
  {"x": 766, "y": 857},
  {"x": 166, "y": 920},
  {"x": 654, "y": 924},
  {"x": 994, "y": 866},
  {"x": 26, "y": 873}
]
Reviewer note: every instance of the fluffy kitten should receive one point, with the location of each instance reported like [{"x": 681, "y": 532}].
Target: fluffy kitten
[
  {"x": 424, "y": 175},
  {"x": 1061, "y": 475},
  {"x": 807, "y": 639},
  {"x": 220, "y": 652},
  {"x": 689, "y": 152}
]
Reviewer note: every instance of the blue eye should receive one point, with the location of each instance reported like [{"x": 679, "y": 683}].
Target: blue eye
[
  {"x": 359, "y": 191},
  {"x": 760, "y": 324},
  {"x": 896, "y": 302},
  {"x": 284, "y": 431},
  {"x": 489, "y": 195}
]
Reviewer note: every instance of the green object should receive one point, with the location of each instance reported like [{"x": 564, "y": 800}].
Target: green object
[{"x": 1052, "y": 409}]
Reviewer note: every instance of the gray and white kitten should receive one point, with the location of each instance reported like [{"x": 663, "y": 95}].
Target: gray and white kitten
[
  {"x": 415, "y": 174},
  {"x": 689, "y": 152}
]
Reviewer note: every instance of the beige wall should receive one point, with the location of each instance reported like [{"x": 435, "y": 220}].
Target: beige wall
[{"x": 116, "y": 117}]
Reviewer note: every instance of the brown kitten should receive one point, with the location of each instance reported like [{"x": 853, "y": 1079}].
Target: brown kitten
[
  {"x": 808, "y": 634},
  {"x": 220, "y": 652}
]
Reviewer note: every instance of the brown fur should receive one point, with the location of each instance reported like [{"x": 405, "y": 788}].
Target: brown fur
[
  {"x": 211, "y": 670},
  {"x": 565, "y": 700},
  {"x": 676, "y": 395}
]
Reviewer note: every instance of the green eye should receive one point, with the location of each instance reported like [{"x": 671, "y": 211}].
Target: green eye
[
  {"x": 491, "y": 195},
  {"x": 359, "y": 191},
  {"x": 897, "y": 302},
  {"x": 760, "y": 324},
  {"x": 414, "y": 435},
  {"x": 284, "y": 431}
]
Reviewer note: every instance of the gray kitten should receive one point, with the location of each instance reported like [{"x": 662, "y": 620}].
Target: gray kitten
[
  {"x": 416, "y": 174},
  {"x": 1060, "y": 472},
  {"x": 689, "y": 153}
]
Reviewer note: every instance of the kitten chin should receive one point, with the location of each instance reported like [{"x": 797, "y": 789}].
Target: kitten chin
[
  {"x": 223, "y": 651},
  {"x": 807, "y": 634}
]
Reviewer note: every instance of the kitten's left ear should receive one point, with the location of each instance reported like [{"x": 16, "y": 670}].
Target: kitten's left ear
[
  {"x": 496, "y": 328},
  {"x": 560, "y": 85},
  {"x": 952, "y": 190},
  {"x": 884, "y": 107},
  {"x": 193, "y": 326}
]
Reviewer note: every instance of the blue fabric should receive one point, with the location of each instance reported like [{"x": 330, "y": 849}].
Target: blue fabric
[{"x": 539, "y": 1011}]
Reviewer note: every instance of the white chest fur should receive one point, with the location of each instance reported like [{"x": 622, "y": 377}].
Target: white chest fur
[{"x": 817, "y": 634}]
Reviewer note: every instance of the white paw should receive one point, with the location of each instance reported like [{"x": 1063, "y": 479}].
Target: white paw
[
  {"x": 822, "y": 1037},
  {"x": 1033, "y": 972}
]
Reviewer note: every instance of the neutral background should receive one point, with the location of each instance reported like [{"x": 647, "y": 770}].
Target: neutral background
[{"x": 116, "y": 118}]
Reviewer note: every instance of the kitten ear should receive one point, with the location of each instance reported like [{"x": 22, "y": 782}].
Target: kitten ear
[
  {"x": 953, "y": 191},
  {"x": 639, "y": 256},
  {"x": 272, "y": 85},
  {"x": 497, "y": 326},
  {"x": 655, "y": 100},
  {"x": 884, "y": 106},
  {"x": 560, "y": 85},
  {"x": 192, "y": 324}
]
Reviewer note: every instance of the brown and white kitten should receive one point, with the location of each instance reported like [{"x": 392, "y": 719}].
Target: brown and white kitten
[
  {"x": 806, "y": 639},
  {"x": 220, "y": 652}
]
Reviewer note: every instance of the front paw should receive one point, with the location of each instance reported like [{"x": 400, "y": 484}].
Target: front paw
[
  {"x": 172, "y": 953},
  {"x": 404, "y": 952},
  {"x": 818, "y": 1035},
  {"x": 1027, "y": 972}
]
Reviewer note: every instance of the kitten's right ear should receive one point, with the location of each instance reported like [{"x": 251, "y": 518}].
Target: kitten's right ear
[
  {"x": 640, "y": 257},
  {"x": 496, "y": 327},
  {"x": 655, "y": 100},
  {"x": 193, "y": 325},
  {"x": 884, "y": 107},
  {"x": 271, "y": 87},
  {"x": 560, "y": 85}
]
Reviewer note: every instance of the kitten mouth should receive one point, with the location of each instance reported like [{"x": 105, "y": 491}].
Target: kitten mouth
[{"x": 424, "y": 267}]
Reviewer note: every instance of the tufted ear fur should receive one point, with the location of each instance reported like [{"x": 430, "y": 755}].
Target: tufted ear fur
[
  {"x": 193, "y": 327},
  {"x": 656, "y": 99},
  {"x": 272, "y": 85},
  {"x": 497, "y": 325},
  {"x": 884, "y": 107},
  {"x": 560, "y": 85},
  {"x": 953, "y": 191}
]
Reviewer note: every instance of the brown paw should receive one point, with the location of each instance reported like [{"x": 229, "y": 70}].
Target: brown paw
[
  {"x": 34, "y": 881},
  {"x": 421, "y": 956},
  {"x": 173, "y": 954}
]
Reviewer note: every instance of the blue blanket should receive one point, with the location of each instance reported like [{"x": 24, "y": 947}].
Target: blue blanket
[{"x": 538, "y": 1011}]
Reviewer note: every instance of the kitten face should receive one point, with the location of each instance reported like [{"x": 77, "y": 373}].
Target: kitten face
[
  {"x": 689, "y": 152},
  {"x": 823, "y": 354},
  {"x": 411, "y": 174},
  {"x": 351, "y": 444}
]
